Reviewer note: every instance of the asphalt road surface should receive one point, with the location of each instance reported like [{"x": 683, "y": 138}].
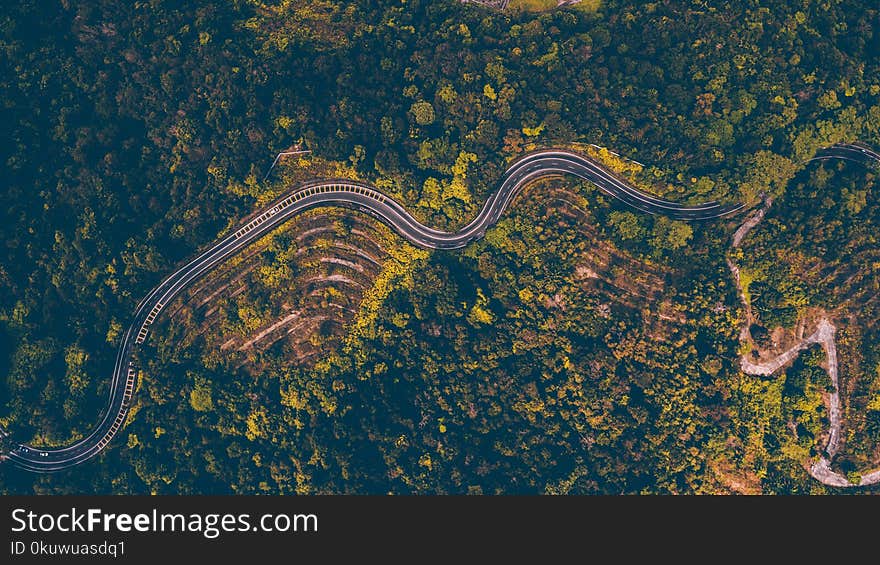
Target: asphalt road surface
[{"x": 368, "y": 199}]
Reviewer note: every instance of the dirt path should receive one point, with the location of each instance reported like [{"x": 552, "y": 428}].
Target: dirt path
[
  {"x": 751, "y": 222},
  {"x": 824, "y": 335}
]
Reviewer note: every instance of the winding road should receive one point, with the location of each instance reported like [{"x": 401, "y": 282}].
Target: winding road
[
  {"x": 824, "y": 335},
  {"x": 366, "y": 198},
  {"x": 349, "y": 194}
]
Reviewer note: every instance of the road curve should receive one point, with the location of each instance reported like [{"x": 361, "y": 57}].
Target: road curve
[
  {"x": 348, "y": 194},
  {"x": 821, "y": 469}
]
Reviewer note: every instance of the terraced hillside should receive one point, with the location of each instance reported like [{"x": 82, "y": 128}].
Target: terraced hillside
[
  {"x": 294, "y": 290},
  {"x": 276, "y": 392}
]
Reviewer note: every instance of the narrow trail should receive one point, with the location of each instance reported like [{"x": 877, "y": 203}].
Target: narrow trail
[
  {"x": 824, "y": 335},
  {"x": 753, "y": 220}
]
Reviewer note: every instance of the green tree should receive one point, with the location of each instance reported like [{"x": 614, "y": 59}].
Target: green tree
[
  {"x": 200, "y": 396},
  {"x": 627, "y": 225},
  {"x": 423, "y": 113},
  {"x": 670, "y": 235}
]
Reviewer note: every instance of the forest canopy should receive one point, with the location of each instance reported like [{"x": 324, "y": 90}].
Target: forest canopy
[{"x": 138, "y": 132}]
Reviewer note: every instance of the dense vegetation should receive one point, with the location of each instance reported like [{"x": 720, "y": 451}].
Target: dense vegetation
[
  {"x": 139, "y": 131},
  {"x": 818, "y": 251}
]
